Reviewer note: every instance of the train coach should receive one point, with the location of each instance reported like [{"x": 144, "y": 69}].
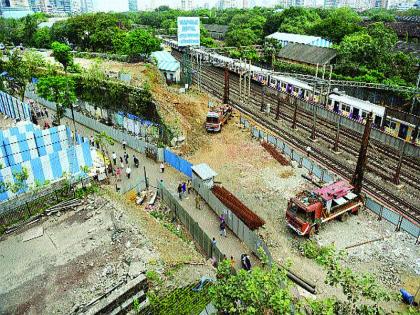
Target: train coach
[{"x": 358, "y": 109}]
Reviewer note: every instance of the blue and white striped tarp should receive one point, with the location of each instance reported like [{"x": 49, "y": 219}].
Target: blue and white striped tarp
[
  {"x": 12, "y": 107},
  {"x": 50, "y": 167},
  {"x": 16, "y": 148}
]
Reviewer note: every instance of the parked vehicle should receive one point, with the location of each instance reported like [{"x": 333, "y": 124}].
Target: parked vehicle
[
  {"x": 218, "y": 117},
  {"x": 308, "y": 210}
]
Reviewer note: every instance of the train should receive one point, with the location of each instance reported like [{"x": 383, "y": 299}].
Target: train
[{"x": 335, "y": 101}]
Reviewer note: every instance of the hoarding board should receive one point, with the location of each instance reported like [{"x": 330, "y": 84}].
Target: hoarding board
[{"x": 188, "y": 31}]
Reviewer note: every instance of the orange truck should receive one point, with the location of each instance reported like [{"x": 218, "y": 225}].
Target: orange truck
[
  {"x": 217, "y": 117},
  {"x": 308, "y": 210}
]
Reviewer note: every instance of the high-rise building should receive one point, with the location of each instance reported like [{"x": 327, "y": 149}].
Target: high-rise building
[
  {"x": 19, "y": 3},
  {"x": 132, "y": 5},
  {"x": 86, "y": 6},
  {"x": 245, "y": 4}
]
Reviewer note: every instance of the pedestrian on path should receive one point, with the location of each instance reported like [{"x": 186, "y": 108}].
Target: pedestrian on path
[
  {"x": 128, "y": 171},
  {"x": 197, "y": 202},
  {"x": 162, "y": 167},
  {"x": 118, "y": 173},
  {"x": 184, "y": 188},
  {"x": 213, "y": 242},
  {"x": 222, "y": 217},
  {"x": 136, "y": 161},
  {"x": 122, "y": 166},
  {"x": 189, "y": 186},
  {"x": 223, "y": 229},
  {"x": 232, "y": 262},
  {"x": 180, "y": 191},
  {"x": 126, "y": 157},
  {"x": 114, "y": 158},
  {"x": 121, "y": 160},
  {"x": 117, "y": 187},
  {"x": 46, "y": 112},
  {"x": 92, "y": 141},
  {"x": 124, "y": 144}
]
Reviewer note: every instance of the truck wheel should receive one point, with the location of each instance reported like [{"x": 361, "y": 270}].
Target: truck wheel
[{"x": 344, "y": 217}]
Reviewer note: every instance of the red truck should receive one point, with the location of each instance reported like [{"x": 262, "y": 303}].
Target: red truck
[
  {"x": 308, "y": 210},
  {"x": 218, "y": 117}
]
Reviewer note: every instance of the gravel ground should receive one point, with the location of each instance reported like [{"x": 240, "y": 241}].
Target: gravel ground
[
  {"x": 84, "y": 252},
  {"x": 247, "y": 170}
]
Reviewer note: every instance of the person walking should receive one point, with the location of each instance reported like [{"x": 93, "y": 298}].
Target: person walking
[
  {"x": 126, "y": 157},
  {"x": 92, "y": 141},
  {"x": 232, "y": 262},
  {"x": 114, "y": 158},
  {"x": 121, "y": 160},
  {"x": 128, "y": 171},
  {"x": 162, "y": 167},
  {"x": 223, "y": 228},
  {"x": 124, "y": 144},
  {"x": 197, "y": 202},
  {"x": 213, "y": 242},
  {"x": 180, "y": 191},
  {"x": 189, "y": 186},
  {"x": 136, "y": 161},
  {"x": 46, "y": 112},
  {"x": 184, "y": 188}
]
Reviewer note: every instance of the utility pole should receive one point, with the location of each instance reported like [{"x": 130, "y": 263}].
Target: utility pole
[
  {"x": 249, "y": 83},
  {"x": 145, "y": 178},
  {"x": 262, "y": 98},
  {"x": 278, "y": 107},
  {"x": 337, "y": 136},
  {"x": 240, "y": 81},
  {"x": 400, "y": 160},
  {"x": 226, "y": 90},
  {"x": 295, "y": 112},
  {"x": 313, "y": 133},
  {"x": 415, "y": 95},
  {"x": 357, "y": 180}
]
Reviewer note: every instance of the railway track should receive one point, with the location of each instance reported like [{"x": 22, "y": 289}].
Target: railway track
[
  {"x": 380, "y": 164},
  {"x": 211, "y": 83}
]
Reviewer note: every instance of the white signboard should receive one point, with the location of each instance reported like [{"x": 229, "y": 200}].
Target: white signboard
[{"x": 188, "y": 31}]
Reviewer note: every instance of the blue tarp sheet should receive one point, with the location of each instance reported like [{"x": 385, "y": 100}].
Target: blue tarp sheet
[{"x": 178, "y": 163}]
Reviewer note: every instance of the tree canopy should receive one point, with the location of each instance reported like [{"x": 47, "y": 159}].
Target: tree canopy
[{"x": 62, "y": 53}]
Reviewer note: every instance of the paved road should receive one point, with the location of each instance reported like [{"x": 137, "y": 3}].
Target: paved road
[{"x": 206, "y": 218}]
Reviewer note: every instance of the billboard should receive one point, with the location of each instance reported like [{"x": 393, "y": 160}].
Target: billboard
[{"x": 188, "y": 31}]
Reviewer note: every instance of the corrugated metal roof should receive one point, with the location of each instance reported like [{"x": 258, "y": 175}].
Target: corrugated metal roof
[
  {"x": 165, "y": 61},
  {"x": 216, "y": 28},
  {"x": 286, "y": 38},
  {"x": 307, "y": 53},
  {"x": 204, "y": 171}
]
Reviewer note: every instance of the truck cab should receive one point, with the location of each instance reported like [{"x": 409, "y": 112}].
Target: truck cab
[
  {"x": 213, "y": 122},
  {"x": 309, "y": 209}
]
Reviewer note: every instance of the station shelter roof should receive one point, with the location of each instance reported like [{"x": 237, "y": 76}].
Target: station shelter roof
[
  {"x": 204, "y": 171},
  {"x": 165, "y": 61},
  {"x": 287, "y": 38}
]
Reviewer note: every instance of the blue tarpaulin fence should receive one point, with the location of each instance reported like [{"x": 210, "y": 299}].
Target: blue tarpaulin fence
[{"x": 178, "y": 163}]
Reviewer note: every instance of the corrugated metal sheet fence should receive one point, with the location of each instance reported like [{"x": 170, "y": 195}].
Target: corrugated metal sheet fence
[
  {"x": 326, "y": 176},
  {"x": 199, "y": 236},
  {"x": 118, "y": 135},
  {"x": 250, "y": 238}
]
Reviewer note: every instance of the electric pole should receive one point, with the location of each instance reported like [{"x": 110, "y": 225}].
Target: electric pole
[{"x": 357, "y": 180}]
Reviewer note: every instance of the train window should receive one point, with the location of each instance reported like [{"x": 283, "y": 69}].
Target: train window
[
  {"x": 393, "y": 125},
  {"x": 364, "y": 114},
  {"x": 386, "y": 124},
  {"x": 345, "y": 108}
]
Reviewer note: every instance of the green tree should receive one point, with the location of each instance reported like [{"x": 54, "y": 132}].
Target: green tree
[
  {"x": 18, "y": 183},
  {"x": 42, "y": 38},
  {"x": 298, "y": 20},
  {"x": 139, "y": 42},
  {"x": 18, "y": 69},
  {"x": 338, "y": 23},
  {"x": 62, "y": 53},
  {"x": 58, "y": 89},
  {"x": 241, "y": 37}
]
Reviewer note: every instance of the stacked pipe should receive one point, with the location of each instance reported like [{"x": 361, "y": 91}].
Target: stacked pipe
[
  {"x": 275, "y": 154},
  {"x": 250, "y": 219}
]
